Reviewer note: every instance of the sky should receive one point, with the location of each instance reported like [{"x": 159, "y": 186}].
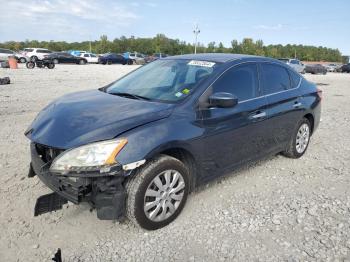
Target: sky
[{"x": 308, "y": 22}]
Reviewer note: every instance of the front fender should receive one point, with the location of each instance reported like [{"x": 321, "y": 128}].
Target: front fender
[{"x": 149, "y": 140}]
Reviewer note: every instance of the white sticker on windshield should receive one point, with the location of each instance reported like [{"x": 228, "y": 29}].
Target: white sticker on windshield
[{"x": 201, "y": 63}]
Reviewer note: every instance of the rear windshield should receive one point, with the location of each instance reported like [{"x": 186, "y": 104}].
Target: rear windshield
[
  {"x": 284, "y": 60},
  {"x": 164, "y": 80}
]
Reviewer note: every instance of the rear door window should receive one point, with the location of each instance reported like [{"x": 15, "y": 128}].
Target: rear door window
[
  {"x": 294, "y": 78},
  {"x": 275, "y": 78},
  {"x": 242, "y": 81}
]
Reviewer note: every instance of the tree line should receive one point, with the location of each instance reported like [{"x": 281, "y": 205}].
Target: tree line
[{"x": 162, "y": 44}]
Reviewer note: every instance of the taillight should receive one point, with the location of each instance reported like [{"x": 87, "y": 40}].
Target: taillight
[{"x": 319, "y": 93}]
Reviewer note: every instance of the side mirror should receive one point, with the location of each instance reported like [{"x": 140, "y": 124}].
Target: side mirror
[{"x": 223, "y": 100}]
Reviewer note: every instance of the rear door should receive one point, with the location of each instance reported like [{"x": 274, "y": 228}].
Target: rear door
[
  {"x": 234, "y": 135},
  {"x": 280, "y": 85}
]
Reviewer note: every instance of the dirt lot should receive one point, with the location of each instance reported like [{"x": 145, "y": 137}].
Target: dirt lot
[{"x": 277, "y": 209}]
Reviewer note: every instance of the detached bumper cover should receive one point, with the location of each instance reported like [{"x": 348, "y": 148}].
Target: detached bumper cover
[{"x": 105, "y": 193}]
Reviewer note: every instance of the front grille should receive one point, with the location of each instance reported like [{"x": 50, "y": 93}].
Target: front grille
[{"x": 48, "y": 154}]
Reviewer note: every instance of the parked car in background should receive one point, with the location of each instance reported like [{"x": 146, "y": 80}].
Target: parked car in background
[
  {"x": 112, "y": 58},
  {"x": 345, "y": 68},
  {"x": 66, "y": 58},
  {"x": 154, "y": 57},
  {"x": 315, "y": 69},
  {"x": 140, "y": 145},
  {"x": 36, "y": 53},
  {"x": 332, "y": 67},
  {"x": 295, "y": 64},
  {"x": 137, "y": 58},
  {"x": 90, "y": 57},
  {"x": 76, "y": 52},
  {"x": 5, "y": 53}
]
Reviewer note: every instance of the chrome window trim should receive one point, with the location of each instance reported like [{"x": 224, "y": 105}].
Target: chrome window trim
[
  {"x": 258, "y": 71},
  {"x": 243, "y": 101}
]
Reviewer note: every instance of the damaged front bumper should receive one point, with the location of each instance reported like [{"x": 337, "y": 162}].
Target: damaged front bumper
[{"x": 105, "y": 192}]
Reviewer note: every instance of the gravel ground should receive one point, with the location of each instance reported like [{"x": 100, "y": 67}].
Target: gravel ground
[{"x": 277, "y": 209}]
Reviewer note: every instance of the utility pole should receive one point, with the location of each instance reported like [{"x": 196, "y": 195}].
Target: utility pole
[{"x": 196, "y": 31}]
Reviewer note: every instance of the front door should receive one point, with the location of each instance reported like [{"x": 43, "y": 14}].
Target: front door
[{"x": 233, "y": 136}]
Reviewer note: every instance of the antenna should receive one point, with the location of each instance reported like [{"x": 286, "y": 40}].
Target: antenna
[{"x": 196, "y": 31}]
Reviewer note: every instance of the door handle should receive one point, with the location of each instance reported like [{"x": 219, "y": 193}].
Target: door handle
[
  {"x": 258, "y": 115},
  {"x": 297, "y": 104}
]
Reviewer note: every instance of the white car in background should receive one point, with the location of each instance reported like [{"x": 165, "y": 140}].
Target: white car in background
[
  {"x": 36, "y": 53},
  {"x": 137, "y": 58},
  {"x": 295, "y": 64},
  {"x": 332, "y": 67},
  {"x": 91, "y": 58},
  {"x": 5, "y": 53}
]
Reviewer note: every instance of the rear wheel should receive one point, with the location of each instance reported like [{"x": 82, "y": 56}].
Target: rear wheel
[
  {"x": 33, "y": 58},
  {"x": 51, "y": 66},
  {"x": 157, "y": 192},
  {"x": 30, "y": 65},
  {"x": 299, "y": 140}
]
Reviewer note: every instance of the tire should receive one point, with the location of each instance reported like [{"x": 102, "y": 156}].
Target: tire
[
  {"x": 55, "y": 61},
  {"x": 82, "y": 62},
  {"x": 130, "y": 62},
  {"x": 30, "y": 65},
  {"x": 109, "y": 62},
  {"x": 23, "y": 60},
  {"x": 51, "y": 66},
  {"x": 292, "y": 150},
  {"x": 33, "y": 58},
  {"x": 143, "y": 180}
]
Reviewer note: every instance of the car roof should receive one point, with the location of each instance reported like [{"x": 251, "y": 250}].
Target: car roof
[{"x": 218, "y": 57}]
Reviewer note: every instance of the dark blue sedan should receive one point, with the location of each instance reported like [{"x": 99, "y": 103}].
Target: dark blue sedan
[
  {"x": 138, "y": 146},
  {"x": 112, "y": 58}
]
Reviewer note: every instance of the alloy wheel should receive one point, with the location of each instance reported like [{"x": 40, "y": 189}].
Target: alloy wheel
[{"x": 302, "y": 138}]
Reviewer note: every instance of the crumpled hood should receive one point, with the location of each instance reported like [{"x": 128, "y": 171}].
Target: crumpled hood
[{"x": 84, "y": 117}]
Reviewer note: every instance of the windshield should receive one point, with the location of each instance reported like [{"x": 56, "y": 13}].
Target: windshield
[{"x": 164, "y": 80}]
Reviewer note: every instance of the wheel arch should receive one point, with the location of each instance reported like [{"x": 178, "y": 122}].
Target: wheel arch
[
  {"x": 187, "y": 158},
  {"x": 181, "y": 153},
  {"x": 311, "y": 119}
]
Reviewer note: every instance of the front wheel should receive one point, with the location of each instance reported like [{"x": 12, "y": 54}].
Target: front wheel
[
  {"x": 157, "y": 192},
  {"x": 299, "y": 140}
]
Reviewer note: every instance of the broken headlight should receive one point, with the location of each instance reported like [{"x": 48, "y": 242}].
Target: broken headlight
[{"x": 98, "y": 156}]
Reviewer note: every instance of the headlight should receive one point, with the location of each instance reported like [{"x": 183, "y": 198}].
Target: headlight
[{"x": 98, "y": 156}]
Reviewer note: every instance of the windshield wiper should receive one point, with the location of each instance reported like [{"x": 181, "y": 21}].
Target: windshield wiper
[{"x": 132, "y": 96}]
